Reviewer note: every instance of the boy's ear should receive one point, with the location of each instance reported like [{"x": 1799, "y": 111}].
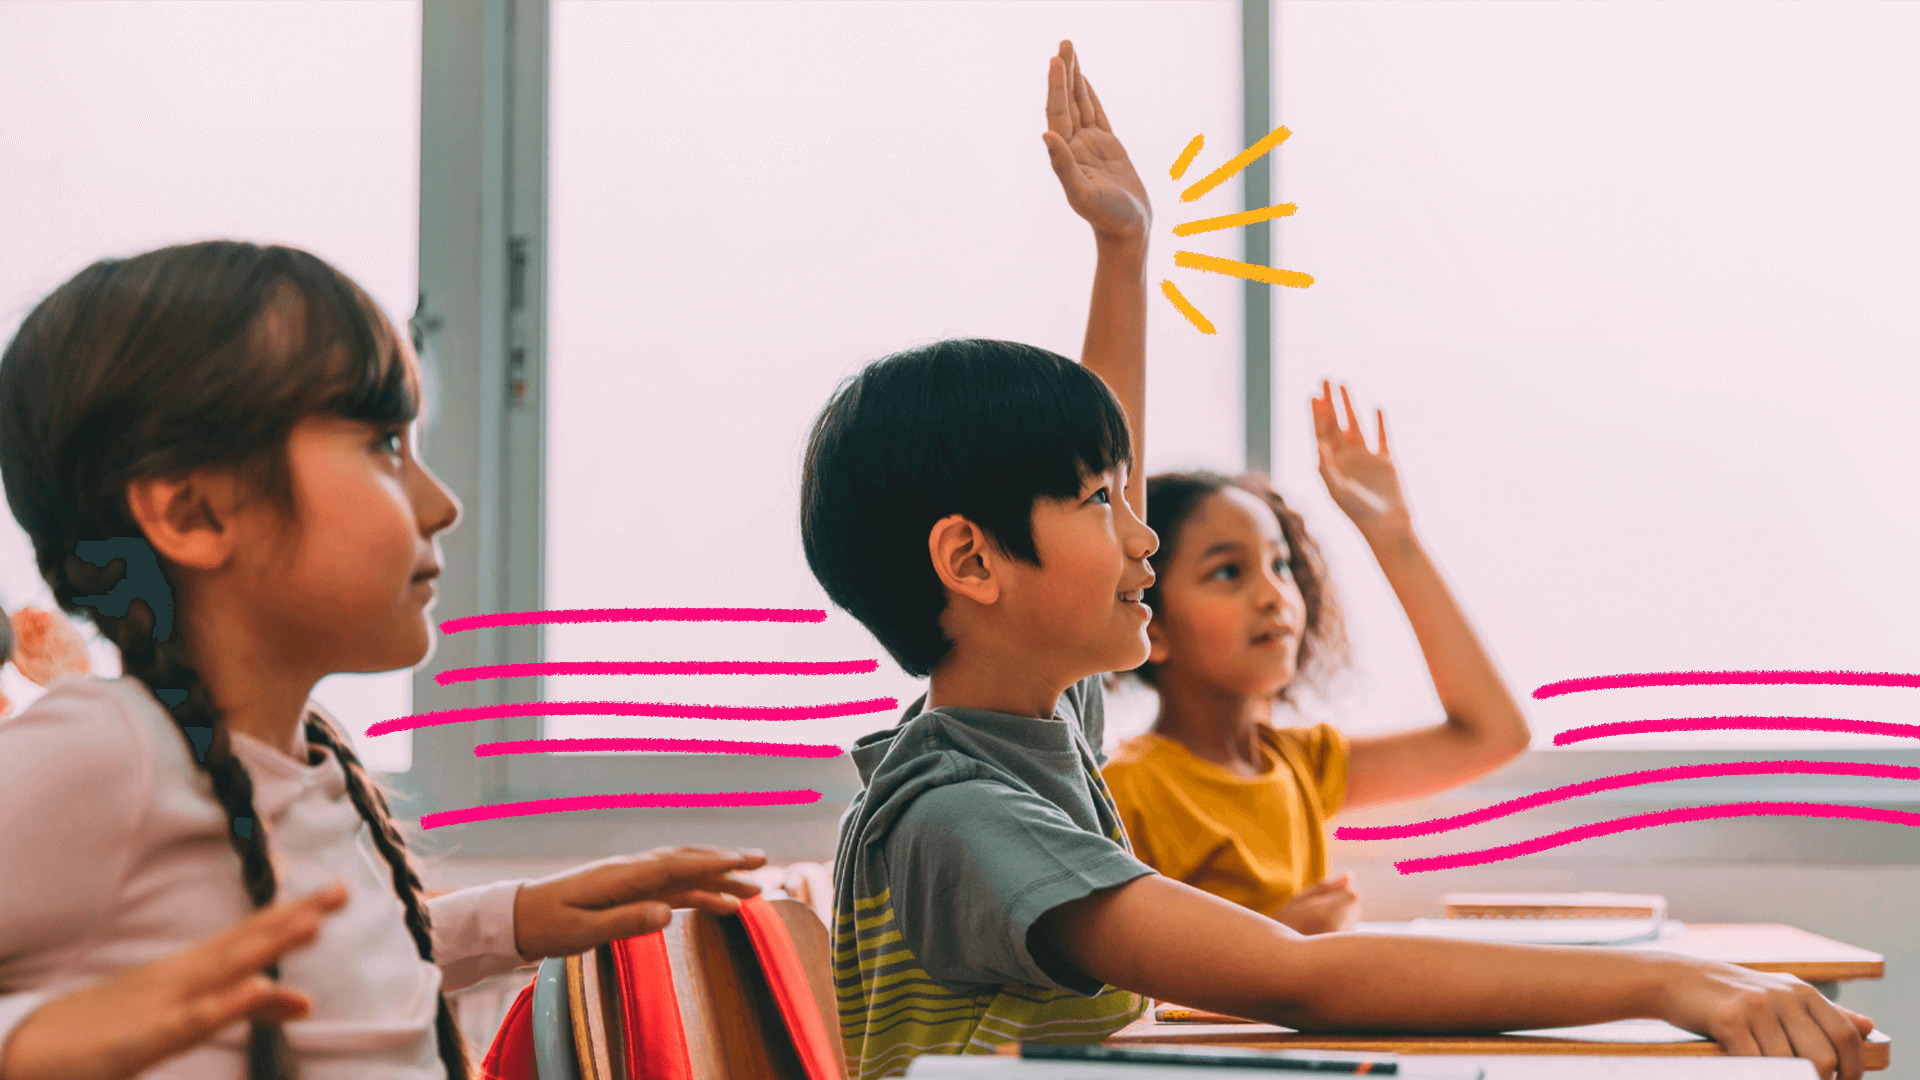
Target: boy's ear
[
  {"x": 964, "y": 559},
  {"x": 189, "y": 520}
]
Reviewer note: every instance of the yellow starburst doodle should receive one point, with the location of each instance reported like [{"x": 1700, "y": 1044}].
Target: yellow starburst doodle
[{"x": 1193, "y": 260}]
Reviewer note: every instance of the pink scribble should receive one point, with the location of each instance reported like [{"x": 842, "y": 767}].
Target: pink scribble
[
  {"x": 1652, "y": 820},
  {"x": 1727, "y": 678},
  {"x": 1735, "y": 723},
  {"x": 634, "y": 708},
  {"x": 1623, "y": 780},
  {"x": 617, "y": 802},
  {"x": 689, "y": 746},
  {"x": 660, "y": 667},
  {"x": 634, "y": 614}
]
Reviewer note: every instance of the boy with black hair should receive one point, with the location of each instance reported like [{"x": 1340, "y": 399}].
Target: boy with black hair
[{"x": 978, "y": 506}]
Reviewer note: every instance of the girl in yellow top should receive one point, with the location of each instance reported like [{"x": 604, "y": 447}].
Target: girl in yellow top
[{"x": 1215, "y": 795}]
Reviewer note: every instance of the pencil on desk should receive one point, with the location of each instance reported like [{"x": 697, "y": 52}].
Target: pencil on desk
[{"x": 1180, "y": 1014}]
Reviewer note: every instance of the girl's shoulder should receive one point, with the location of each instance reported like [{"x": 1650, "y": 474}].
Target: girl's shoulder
[{"x": 86, "y": 731}]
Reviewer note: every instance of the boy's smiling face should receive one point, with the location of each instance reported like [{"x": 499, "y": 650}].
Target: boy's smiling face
[{"x": 1080, "y": 612}]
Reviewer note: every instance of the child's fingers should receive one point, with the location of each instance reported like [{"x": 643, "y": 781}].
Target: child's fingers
[
  {"x": 260, "y": 938},
  {"x": 1059, "y": 118},
  {"x": 1381, "y": 416},
  {"x": 633, "y": 920},
  {"x": 1082, "y": 97},
  {"x": 1075, "y": 115},
  {"x": 1064, "y": 167},
  {"x": 1099, "y": 112},
  {"x": 1354, "y": 434}
]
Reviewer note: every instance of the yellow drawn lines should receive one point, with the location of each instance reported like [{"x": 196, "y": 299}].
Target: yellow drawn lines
[
  {"x": 1232, "y": 168},
  {"x": 1193, "y": 260},
  {"x": 1186, "y": 157},
  {"x": 1229, "y": 221},
  {"x": 1172, "y": 292}
]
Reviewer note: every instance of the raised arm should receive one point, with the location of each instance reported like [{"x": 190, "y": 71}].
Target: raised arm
[
  {"x": 1484, "y": 727},
  {"x": 1158, "y": 937},
  {"x": 1102, "y": 187}
]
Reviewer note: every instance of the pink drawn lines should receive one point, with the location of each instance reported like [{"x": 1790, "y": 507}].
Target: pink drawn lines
[
  {"x": 1675, "y": 816},
  {"x": 1727, "y": 678},
  {"x": 660, "y": 667},
  {"x": 634, "y": 614},
  {"x": 1736, "y": 723},
  {"x": 638, "y": 800},
  {"x": 684, "y": 746},
  {"x": 1683, "y": 772},
  {"x": 635, "y": 708},
  {"x": 1624, "y": 780}
]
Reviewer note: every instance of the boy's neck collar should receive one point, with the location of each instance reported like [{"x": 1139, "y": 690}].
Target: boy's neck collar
[{"x": 960, "y": 686}]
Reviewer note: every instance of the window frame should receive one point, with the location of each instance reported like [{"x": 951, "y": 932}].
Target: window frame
[{"x": 481, "y": 328}]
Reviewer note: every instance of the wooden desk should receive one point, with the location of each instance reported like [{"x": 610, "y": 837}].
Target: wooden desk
[
  {"x": 1628, "y": 1038},
  {"x": 1763, "y": 947},
  {"x": 1772, "y": 947},
  {"x": 1495, "y": 1067}
]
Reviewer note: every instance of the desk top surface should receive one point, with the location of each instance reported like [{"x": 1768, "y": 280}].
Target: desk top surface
[{"x": 1627, "y": 1038}]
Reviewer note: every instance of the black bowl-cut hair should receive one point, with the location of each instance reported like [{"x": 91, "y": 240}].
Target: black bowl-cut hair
[{"x": 972, "y": 427}]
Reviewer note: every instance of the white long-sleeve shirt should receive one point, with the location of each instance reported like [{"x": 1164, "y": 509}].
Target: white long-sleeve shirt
[{"x": 114, "y": 852}]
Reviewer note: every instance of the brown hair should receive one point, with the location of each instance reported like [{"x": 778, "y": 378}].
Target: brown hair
[
  {"x": 159, "y": 365},
  {"x": 1172, "y": 499}
]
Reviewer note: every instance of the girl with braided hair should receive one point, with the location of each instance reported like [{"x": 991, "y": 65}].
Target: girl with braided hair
[{"x": 210, "y": 447}]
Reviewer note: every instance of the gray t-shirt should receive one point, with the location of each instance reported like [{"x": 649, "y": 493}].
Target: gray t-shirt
[{"x": 971, "y": 826}]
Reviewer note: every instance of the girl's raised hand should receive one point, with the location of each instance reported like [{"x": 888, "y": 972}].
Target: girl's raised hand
[
  {"x": 627, "y": 896},
  {"x": 1362, "y": 482},
  {"x": 126, "y": 1024},
  {"x": 1093, "y": 168}
]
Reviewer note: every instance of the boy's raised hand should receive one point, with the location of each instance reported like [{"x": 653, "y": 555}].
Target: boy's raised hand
[
  {"x": 1093, "y": 168},
  {"x": 128, "y": 1023},
  {"x": 627, "y": 896},
  {"x": 1362, "y": 482}
]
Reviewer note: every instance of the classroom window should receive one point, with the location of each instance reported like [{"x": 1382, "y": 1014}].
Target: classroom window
[
  {"x": 1635, "y": 285},
  {"x": 749, "y": 202},
  {"x": 128, "y": 126}
]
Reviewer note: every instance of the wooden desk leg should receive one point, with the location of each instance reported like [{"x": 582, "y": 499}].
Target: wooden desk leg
[{"x": 1828, "y": 990}]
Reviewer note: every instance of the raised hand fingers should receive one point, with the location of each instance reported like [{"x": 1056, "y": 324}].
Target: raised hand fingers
[
  {"x": 1059, "y": 110},
  {"x": 1353, "y": 432},
  {"x": 1326, "y": 426},
  {"x": 1099, "y": 111},
  {"x": 1380, "y": 417},
  {"x": 1083, "y": 114}
]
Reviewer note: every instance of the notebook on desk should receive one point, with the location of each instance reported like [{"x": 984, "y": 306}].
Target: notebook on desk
[
  {"x": 967, "y": 1067},
  {"x": 1580, "y": 905}
]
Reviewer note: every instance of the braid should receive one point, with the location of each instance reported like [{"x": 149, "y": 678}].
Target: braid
[
  {"x": 372, "y": 805},
  {"x": 162, "y": 666}
]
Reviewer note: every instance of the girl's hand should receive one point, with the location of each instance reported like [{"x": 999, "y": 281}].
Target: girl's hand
[
  {"x": 1754, "y": 1013},
  {"x": 627, "y": 896},
  {"x": 46, "y": 646},
  {"x": 138, "y": 1018},
  {"x": 1363, "y": 482},
  {"x": 1100, "y": 183},
  {"x": 1323, "y": 907}
]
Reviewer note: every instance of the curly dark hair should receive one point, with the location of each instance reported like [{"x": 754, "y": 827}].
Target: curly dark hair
[{"x": 1172, "y": 499}]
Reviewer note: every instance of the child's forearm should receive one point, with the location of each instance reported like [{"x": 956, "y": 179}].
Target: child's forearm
[
  {"x": 1375, "y": 981},
  {"x": 1116, "y": 344},
  {"x": 1166, "y": 940},
  {"x": 1477, "y": 702}
]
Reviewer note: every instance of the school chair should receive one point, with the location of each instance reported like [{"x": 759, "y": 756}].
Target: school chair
[{"x": 746, "y": 997}]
